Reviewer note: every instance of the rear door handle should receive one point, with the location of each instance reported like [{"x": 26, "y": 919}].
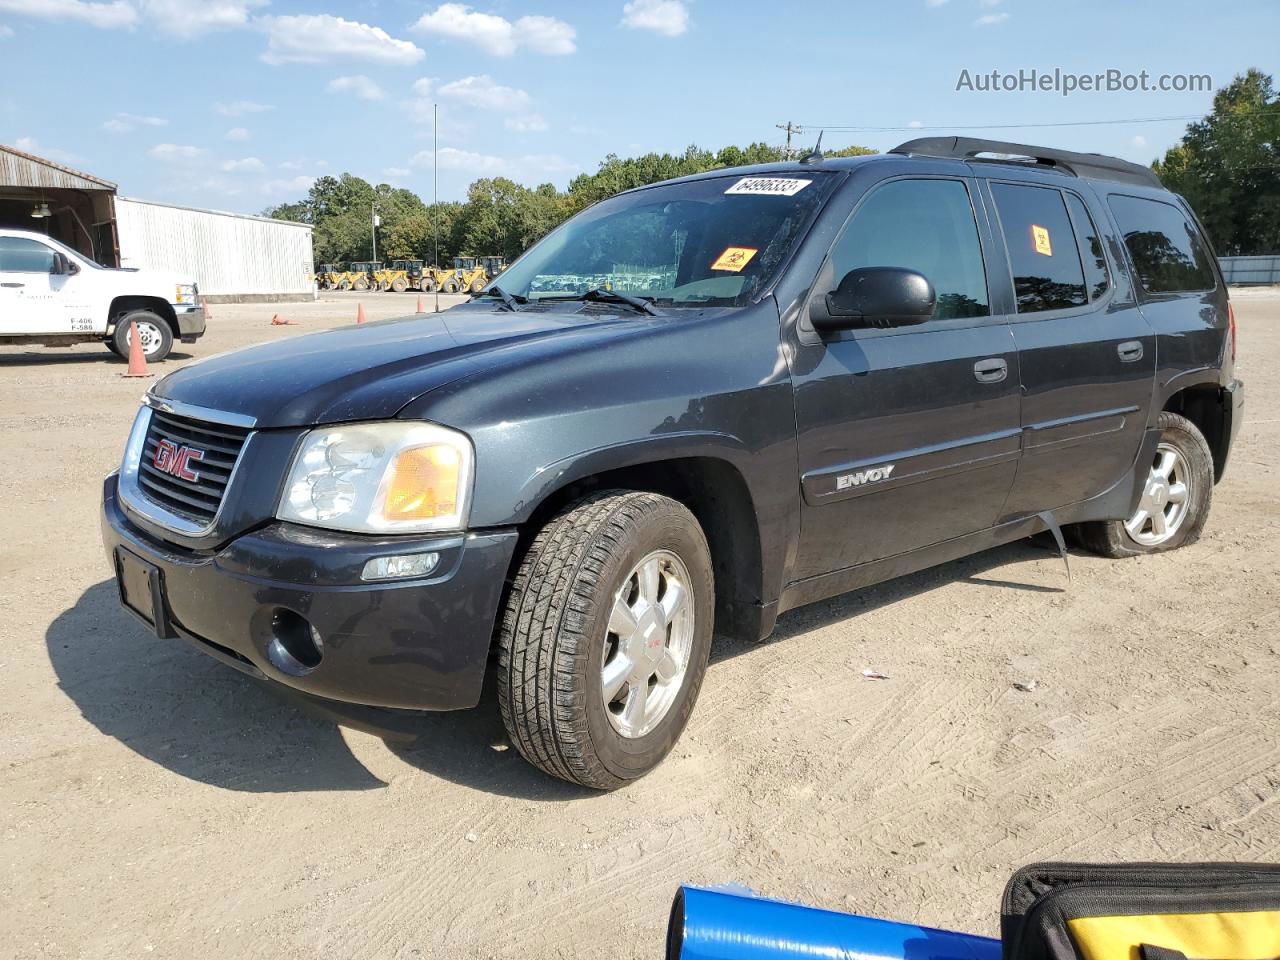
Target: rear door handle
[
  {"x": 12, "y": 284},
  {"x": 1130, "y": 351},
  {"x": 990, "y": 371}
]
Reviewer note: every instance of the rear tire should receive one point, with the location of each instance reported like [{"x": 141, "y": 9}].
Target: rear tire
[
  {"x": 611, "y": 609},
  {"x": 153, "y": 330},
  {"x": 450, "y": 287},
  {"x": 399, "y": 286},
  {"x": 477, "y": 286},
  {"x": 1175, "y": 500}
]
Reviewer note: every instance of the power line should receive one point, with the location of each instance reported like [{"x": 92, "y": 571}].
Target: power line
[{"x": 838, "y": 128}]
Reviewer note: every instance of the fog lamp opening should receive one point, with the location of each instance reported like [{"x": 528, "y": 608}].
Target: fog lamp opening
[
  {"x": 400, "y": 567},
  {"x": 296, "y": 647}
]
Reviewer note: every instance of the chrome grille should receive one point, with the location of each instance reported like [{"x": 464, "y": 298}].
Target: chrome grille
[{"x": 197, "y": 500}]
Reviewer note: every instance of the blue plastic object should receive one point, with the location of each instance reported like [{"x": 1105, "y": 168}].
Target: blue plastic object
[{"x": 713, "y": 925}]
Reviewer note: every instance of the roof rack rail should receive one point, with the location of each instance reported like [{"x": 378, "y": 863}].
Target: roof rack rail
[{"x": 1092, "y": 165}]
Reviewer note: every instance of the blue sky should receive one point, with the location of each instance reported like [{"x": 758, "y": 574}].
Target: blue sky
[{"x": 237, "y": 104}]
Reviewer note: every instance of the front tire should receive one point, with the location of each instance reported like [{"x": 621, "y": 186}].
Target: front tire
[
  {"x": 605, "y": 637},
  {"x": 1175, "y": 498},
  {"x": 153, "y": 331}
]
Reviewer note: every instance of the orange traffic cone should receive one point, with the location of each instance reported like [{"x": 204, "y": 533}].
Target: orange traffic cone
[
  {"x": 277, "y": 322},
  {"x": 359, "y": 313},
  {"x": 420, "y": 307},
  {"x": 137, "y": 360}
]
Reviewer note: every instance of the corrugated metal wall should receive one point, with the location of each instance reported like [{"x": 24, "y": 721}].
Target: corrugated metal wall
[
  {"x": 228, "y": 255},
  {"x": 1250, "y": 270}
]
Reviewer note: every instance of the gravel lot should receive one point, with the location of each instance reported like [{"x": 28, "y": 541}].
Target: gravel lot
[{"x": 153, "y": 801}]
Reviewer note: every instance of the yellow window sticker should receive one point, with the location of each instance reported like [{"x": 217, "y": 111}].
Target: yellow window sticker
[
  {"x": 734, "y": 259},
  {"x": 1040, "y": 237}
]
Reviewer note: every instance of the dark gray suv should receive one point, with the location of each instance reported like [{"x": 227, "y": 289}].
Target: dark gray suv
[{"x": 695, "y": 405}]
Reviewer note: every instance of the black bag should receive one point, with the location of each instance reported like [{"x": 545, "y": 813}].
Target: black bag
[{"x": 1142, "y": 911}]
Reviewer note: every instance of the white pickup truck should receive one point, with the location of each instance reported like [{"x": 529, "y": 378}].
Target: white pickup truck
[{"x": 52, "y": 295}]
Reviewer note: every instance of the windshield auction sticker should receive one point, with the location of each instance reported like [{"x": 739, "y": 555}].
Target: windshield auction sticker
[
  {"x": 1040, "y": 240},
  {"x": 770, "y": 186},
  {"x": 734, "y": 259}
]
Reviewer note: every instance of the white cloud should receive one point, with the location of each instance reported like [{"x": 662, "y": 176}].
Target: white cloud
[
  {"x": 117, "y": 13},
  {"x": 188, "y": 18},
  {"x": 236, "y": 133},
  {"x": 175, "y": 151},
  {"x": 915, "y": 124},
  {"x": 319, "y": 37},
  {"x": 247, "y": 165},
  {"x": 397, "y": 173},
  {"x": 667, "y": 17},
  {"x": 30, "y": 145},
  {"x": 1138, "y": 141},
  {"x": 990, "y": 19},
  {"x": 527, "y": 123},
  {"x": 128, "y": 122},
  {"x": 484, "y": 94},
  {"x": 292, "y": 187},
  {"x": 496, "y": 34},
  {"x": 238, "y": 108},
  {"x": 934, "y": 3},
  {"x": 5, "y": 31},
  {"x": 546, "y": 35},
  {"x": 990, "y": 3},
  {"x": 533, "y": 166},
  {"x": 360, "y": 85}
]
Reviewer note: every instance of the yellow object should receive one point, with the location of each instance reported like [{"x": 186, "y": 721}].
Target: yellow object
[
  {"x": 1040, "y": 237},
  {"x": 1253, "y": 935},
  {"x": 734, "y": 259},
  {"x": 424, "y": 484}
]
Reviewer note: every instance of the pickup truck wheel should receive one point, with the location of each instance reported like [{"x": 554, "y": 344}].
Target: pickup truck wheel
[
  {"x": 153, "y": 332},
  {"x": 605, "y": 637},
  {"x": 1175, "y": 500}
]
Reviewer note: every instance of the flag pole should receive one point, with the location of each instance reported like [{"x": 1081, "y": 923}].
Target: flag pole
[{"x": 435, "y": 191}]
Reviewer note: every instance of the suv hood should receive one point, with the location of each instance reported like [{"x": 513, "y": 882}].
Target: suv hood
[{"x": 366, "y": 372}]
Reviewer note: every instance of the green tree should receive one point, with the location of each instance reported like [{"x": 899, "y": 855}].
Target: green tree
[{"x": 1228, "y": 167}]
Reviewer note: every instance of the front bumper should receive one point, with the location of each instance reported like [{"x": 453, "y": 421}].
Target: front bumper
[
  {"x": 418, "y": 645},
  {"x": 191, "y": 322}
]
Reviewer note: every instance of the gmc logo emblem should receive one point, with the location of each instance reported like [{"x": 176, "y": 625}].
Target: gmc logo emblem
[{"x": 176, "y": 460}]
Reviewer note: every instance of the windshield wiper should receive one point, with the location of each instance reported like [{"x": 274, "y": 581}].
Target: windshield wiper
[
  {"x": 600, "y": 295},
  {"x": 508, "y": 300}
]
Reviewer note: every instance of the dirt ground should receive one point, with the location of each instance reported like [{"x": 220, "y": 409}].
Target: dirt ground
[{"x": 155, "y": 802}]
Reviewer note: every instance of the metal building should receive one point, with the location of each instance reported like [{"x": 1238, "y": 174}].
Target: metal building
[{"x": 231, "y": 256}]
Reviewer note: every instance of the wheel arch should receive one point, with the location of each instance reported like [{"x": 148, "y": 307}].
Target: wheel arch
[
  {"x": 122, "y": 305},
  {"x": 715, "y": 491},
  {"x": 1206, "y": 405}
]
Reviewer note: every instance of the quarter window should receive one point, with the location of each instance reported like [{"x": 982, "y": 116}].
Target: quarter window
[
  {"x": 1091, "y": 255},
  {"x": 921, "y": 225},
  {"x": 22, "y": 255},
  {"x": 1047, "y": 274},
  {"x": 1167, "y": 251}
]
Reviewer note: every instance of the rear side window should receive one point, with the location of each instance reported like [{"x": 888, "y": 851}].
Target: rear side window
[
  {"x": 20, "y": 255},
  {"x": 926, "y": 226},
  {"x": 1091, "y": 255},
  {"x": 1047, "y": 274},
  {"x": 1167, "y": 251}
]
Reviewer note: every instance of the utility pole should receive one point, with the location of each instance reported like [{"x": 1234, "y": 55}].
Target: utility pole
[
  {"x": 791, "y": 128},
  {"x": 435, "y": 194},
  {"x": 374, "y": 223}
]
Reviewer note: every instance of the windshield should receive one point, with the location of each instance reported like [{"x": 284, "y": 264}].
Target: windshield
[{"x": 713, "y": 242}]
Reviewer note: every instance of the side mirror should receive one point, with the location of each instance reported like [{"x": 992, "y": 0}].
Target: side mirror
[
  {"x": 63, "y": 265},
  {"x": 875, "y": 297}
]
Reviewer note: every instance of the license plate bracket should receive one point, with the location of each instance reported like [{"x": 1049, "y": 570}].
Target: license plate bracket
[{"x": 141, "y": 587}]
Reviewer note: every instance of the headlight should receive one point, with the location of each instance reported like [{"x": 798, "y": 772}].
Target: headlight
[
  {"x": 184, "y": 293},
  {"x": 392, "y": 477}
]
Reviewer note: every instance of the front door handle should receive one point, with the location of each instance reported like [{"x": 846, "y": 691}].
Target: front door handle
[
  {"x": 990, "y": 371},
  {"x": 1130, "y": 351},
  {"x": 12, "y": 285}
]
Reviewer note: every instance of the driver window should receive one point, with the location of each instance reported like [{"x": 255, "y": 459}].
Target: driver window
[
  {"x": 922, "y": 225},
  {"x": 22, "y": 255}
]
